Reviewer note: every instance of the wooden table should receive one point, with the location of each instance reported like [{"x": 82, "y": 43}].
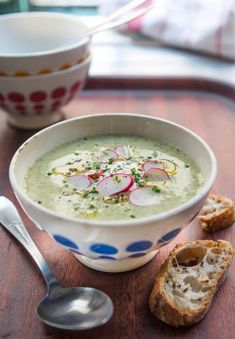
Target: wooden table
[{"x": 22, "y": 286}]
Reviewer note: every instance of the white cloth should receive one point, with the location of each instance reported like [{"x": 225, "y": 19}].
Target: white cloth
[{"x": 201, "y": 25}]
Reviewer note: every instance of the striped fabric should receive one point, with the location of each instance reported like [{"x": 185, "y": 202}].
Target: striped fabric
[{"x": 202, "y": 25}]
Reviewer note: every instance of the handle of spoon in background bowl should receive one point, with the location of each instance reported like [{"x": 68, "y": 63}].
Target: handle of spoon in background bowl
[{"x": 109, "y": 24}]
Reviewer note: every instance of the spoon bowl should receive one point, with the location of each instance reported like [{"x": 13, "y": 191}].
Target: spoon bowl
[{"x": 75, "y": 308}]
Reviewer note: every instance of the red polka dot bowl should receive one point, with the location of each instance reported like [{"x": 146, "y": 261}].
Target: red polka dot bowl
[
  {"x": 36, "y": 101},
  {"x": 55, "y": 41}
]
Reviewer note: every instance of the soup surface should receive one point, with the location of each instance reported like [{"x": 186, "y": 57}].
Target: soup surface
[{"x": 113, "y": 178}]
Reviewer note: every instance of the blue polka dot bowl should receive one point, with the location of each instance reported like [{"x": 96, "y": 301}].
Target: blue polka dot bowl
[{"x": 113, "y": 246}]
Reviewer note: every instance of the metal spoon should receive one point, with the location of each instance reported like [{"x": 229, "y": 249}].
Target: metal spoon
[
  {"x": 75, "y": 308},
  {"x": 122, "y": 16}
]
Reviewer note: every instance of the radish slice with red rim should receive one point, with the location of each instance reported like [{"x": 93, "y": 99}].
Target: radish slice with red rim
[
  {"x": 79, "y": 181},
  {"x": 94, "y": 174},
  {"x": 107, "y": 155},
  {"x": 156, "y": 174},
  {"x": 122, "y": 151},
  {"x": 152, "y": 164},
  {"x": 114, "y": 184},
  {"x": 144, "y": 196}
]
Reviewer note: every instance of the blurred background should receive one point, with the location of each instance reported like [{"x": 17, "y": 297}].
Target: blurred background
[
  {"x": 178, "y": 38},
  {"x": 81, "y": 7}
]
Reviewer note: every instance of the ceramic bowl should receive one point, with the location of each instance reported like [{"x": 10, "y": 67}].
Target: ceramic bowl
[
  {"x": 113, "y": 246},
  {"x": 40, "y": 42},
  {"x": 35, "y": 102}
]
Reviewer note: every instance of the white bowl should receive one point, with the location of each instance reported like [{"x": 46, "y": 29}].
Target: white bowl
[
  {"x": 113, "y": 246},
  {"x": 40, "y": 42},
  {"x": 35, "y": 101}
]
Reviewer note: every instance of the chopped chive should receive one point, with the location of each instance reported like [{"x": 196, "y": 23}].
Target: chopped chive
[
  {"x": 156, "y": 189},
  {"x": 72, "y": 169},
  {"x": 49, "y": 173},
  {"x": 93, "y": 190},
  {"x": 132, "y": 216},
  {"x": 117, "y": 179}
]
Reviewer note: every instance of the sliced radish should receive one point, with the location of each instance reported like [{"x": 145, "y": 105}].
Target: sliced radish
[
  {"x": 143, "y": 197},
  {"x": 122, "y": 151},
  {"x": 156, "y": 174},
  {"x": 113, "y": 184},
  {"x": 107, "y": 155},
  {"x": 152, "y": 164},
  {"x": 79, "y": 181},
  {"x": 94, "y": 174}
]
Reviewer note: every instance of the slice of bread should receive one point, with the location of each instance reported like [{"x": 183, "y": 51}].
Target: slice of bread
[
  {"x": 187, "y": 281},
  {"x": 217, "y": 213}
]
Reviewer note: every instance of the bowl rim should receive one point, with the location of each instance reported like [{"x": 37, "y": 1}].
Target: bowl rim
[
  {"x": 54, "y": 51},
  {"x": 133, "y": 222},
  {"x": 62, "y": 72}
]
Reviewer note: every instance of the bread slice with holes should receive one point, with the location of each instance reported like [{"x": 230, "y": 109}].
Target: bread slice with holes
[
  {"x": 217, "y": 213},
  {"x": 187, "y": 281}
]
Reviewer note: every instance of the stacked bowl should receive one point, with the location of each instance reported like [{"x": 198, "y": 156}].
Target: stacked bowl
[{"x": 44, "y": 61}]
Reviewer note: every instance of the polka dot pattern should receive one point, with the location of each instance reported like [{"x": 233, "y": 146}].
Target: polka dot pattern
[
  {"x": 65, "y": 242},
  {"x": 168, "y": 236},
  {"x": 103, "y": 249},
  {"x": 38, "y": 107},
  {"x": 38, "y": 96},
  {"x": 75, "y": 251},
  {"x": 56, "y": 104},
  {"x": 75, "y": 86},
  {"x": 16, "y": 97},
  {"x": 134, "y": 250},
  {"x": 38, "y": 102},
  {"x": 139, "y": 246},
  {"x": 20, "y": 108},
  {"x": 58, "y": 92},
  {"x": 137, "y": 255}
]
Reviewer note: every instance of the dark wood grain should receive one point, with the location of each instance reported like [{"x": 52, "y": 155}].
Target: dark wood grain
[{"x": 22, "y": 286}]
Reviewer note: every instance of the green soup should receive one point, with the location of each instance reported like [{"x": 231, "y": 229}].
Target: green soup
[{"x": 113, "y": 178}]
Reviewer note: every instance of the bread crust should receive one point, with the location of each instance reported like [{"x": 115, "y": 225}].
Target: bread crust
[
  {"x": 221, "y": 213},
  {"x": 166, "y": 308}
]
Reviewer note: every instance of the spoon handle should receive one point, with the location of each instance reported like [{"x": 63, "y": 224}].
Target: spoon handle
[
  {"x": 107, "y": 25},
  {"x": 119, "y": 13},
  {"x": 10, "y": 219}
]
